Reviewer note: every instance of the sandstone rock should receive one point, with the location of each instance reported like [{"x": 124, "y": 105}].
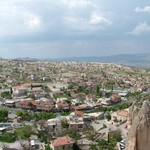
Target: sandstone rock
[
  {"x": 139, "y": 133},
  {"x": 133, "y": 111}
]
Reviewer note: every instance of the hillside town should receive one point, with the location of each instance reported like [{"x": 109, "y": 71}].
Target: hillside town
[{"x": 73, "y": 106}]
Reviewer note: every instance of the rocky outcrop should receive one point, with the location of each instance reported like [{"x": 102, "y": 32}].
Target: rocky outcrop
[
  {"x": 133, "y": 111},
  {"x": 139, "y": 133}
]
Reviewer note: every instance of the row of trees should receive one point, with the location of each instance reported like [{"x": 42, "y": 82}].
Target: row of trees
[
  {"x": 27, "y": 116},
  {"x": 111, "y": 108}
]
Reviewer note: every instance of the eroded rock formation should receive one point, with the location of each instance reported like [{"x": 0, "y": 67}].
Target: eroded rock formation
[{"x": 139, "y": 133}]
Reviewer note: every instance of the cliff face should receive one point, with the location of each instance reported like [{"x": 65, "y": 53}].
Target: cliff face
[
  {"x": 133, "y": 111},
  {"x": 139, "y": 133}
]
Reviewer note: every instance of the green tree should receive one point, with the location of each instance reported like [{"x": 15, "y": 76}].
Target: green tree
[
  {"x": 43, "y": 136},
  {"x": 64, "y": 123},
  {"x": 113, "y": 138},
  {"x": 24, "y": 132},
  {"x": 108, "y": 116},
  {"x": 25, "y": 115},
  {"x": 73, "y": 134},
  {"x": 76, "y": 147},
  {"x": 19, "y": 113},
  {"x": 3, "y": 115},
  {"x": 93, "y": 147},
  {"x": 45, "y": 88},
  {"x": 6, "y": 95},
  {"x": 48, "y": 147},
  {"x": 112, "y": 143},
  {"x": 97, "y": 89},
  {"x": 31, "y": 105},
  {"x": 7, "y": 137},
  {"x": 102, "y": 144},
  {"x": 117, "y": 135}
]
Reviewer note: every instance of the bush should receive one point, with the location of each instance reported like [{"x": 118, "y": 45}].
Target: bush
[
  {"x": 24, "y": 132},
  {"x": 64, "y": 113},
  {"x": 8, "y": 139}
]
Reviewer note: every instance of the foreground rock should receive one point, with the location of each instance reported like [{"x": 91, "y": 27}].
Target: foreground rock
[{"x": 139, "y": 133}]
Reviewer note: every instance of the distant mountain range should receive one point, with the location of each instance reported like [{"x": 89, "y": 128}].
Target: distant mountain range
[
  {"x": 125, "y": 59},
  {"x": 28, "y": 59}
]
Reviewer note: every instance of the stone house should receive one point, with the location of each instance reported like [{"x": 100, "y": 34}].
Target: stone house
[
  {"x": 120, "y": 116},
  {"x": 62, "y": 143}
]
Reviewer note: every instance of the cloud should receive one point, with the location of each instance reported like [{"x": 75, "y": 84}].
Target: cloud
[
  {"x": 76, "y": 4},
  {"x": 93, "y": 21},
  {"x": 83, "y": 16},
  {"x": 28, "y": 17},
  {"x": 87, "y": 25},
  {"x": 145, "y": 9},
  {"x": 17, "y": 20},
  {"x": 99, "y": 19},
  {"x": 31, "y": 21},
  {"x": 140, "y": 29}
]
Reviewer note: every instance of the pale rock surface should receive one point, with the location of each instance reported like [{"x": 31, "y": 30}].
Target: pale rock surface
[{"x": 139, "y": 133}]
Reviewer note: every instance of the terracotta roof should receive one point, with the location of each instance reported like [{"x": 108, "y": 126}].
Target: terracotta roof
[
  {"x": 116, "y": 97},
  {"x": 25, "y": 102},
  {"x": 79, "y": 113},
  {"x": 19, "y": 88},
  {"x": 26, "y": 85},
  {"x": 62, "y": 105},
  {"x": 66, "y": 140},
  {"x": 123, "y": 113},
  {"x": 36, "y": 84},
  {"x": 43, "y": 103}
]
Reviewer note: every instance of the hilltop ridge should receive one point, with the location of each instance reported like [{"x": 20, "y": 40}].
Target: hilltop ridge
[{"x": 142, "y": 59}]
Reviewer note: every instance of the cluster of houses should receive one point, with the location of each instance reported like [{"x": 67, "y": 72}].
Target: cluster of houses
[
  {"x": 44, "y": 104},
  {"x": 77, "y": 121},
  {"x": 31, "y": 96},
  {"x": 85, "y": 76}
]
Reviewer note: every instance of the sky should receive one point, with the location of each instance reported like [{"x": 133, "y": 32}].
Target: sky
[{"x": 73, "y": 28}]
